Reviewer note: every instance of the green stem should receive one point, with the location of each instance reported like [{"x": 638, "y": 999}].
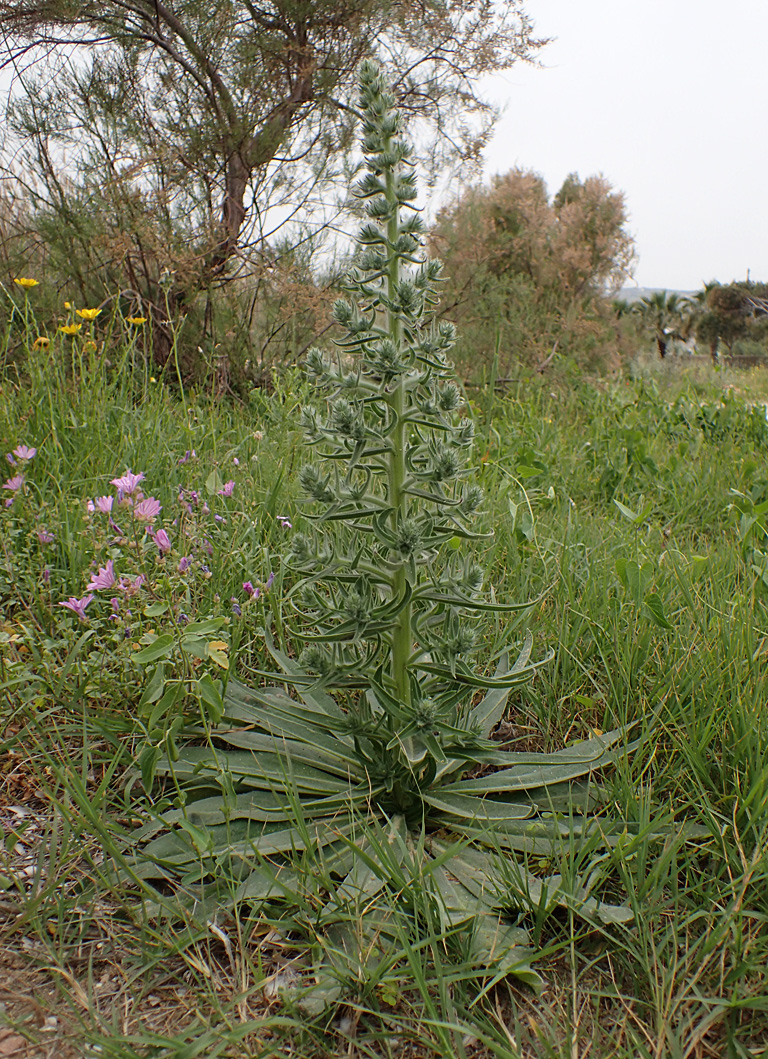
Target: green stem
[{"x": 402, "y": 635}]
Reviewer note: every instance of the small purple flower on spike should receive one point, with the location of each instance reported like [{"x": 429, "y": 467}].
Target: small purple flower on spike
[
  {"x": 45, "y": 536},
  {"x": 184, "y": 564},
  {"x": 285, "y": 522},
  {"x": 228, "y": 489}
]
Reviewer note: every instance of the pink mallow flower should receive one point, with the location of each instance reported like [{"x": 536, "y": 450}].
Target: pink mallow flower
[
  {"x": 77, "y": 605},
  {"x": 228, "y": 489},
  {"x": 184, "y": 564},
  {"x": 104, "y": 504},
  {"x": 45, "y": 536},
  {"x": 285, "y": 522},
  {"x": 147, "y": 509},
  {"x": 163, "y": 541},
  {"x": 250, "y": 590},
  {"x": 15, "y": 483},
  {"x": 105, "y": 578},
  {"x": 24, "y": 452},
  {"x": 127, "y": 484}
]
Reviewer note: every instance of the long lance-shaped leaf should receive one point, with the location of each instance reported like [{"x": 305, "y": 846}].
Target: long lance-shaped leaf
[
  {"x": 249, "y": 704},
  {"x": 310, "y": 750},
  {"x": 467, "y": 603},
  {"x": 268, "y": 770},
  {"x": 478, "y": 810},
  {"x": 266, "y": 806},
  {"x": 561, "y": 766},
  {"x": 243, "y": 838},
  {"x": 464, "y": 675}
]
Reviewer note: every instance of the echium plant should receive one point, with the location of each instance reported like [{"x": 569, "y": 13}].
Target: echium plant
[
  {"x": 380, "y": 612},
  {"x": 362, "y": 770}
]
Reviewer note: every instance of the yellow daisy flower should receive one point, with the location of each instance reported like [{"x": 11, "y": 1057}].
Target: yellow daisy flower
[
  {"x": 88, "y": 314},
  {"x": 137, "y": 321},
  {"x": 67, "y": 305},
  {"x": 70, "y": 329},
  {"x": 26, "y": 282},
  {"x": 89, "y": 347},
  {"x": 41, "y": 342}
]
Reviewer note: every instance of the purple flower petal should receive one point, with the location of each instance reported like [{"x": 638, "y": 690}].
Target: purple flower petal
[
  {"x": 147, "y": 509},
  {"x": 77, "y": 605},
  {"x": 127, "y": 484},
  {"x": 105, "y": 578}
]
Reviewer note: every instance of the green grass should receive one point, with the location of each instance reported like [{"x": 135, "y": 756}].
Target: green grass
[{"x": 660, "y": 621}]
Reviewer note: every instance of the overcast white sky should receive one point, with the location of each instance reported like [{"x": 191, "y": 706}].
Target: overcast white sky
[{"x": 667, "y": 99}]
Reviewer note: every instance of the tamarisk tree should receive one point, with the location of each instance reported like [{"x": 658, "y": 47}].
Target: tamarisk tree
[{"x": 363, "y": 770}]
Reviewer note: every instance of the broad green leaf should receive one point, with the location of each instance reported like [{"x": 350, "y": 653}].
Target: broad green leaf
[
  {"x": 153, "y": 689},
  {"x": 655, "y": 608},
  {"x": 497, "y": 949},
  {"x": 213, "y": 483},
  {"x": 210, "y": 695},
  {"x": 154, "y": 609},
  {"x": 634, "y": 517},
  {"x": 162, "y": 647}
]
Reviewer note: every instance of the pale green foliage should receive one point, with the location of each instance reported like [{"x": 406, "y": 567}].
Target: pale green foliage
[{"x": 388, "y": 624}]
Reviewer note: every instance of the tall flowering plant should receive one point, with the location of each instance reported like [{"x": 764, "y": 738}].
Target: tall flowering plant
[{"x": 387, "y": 713}]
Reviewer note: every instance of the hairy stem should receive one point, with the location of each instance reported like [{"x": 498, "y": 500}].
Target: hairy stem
[{"x": 401, "y": 639}]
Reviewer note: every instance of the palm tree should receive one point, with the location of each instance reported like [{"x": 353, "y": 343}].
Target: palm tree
[{"x": 667, "y": 314}]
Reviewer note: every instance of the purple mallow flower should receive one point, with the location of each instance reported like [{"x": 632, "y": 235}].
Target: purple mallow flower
[
  {"x": 24, "y": 452},
  {"x": 104, "y": 504},
  {"x": 228, "y": 489},
  {"x": 147, "y": 509},
  {"x": 163, "y": 541},
  {"x": 77, "y": 605},
  {"x": 285, "y": 522},
  {"x": 105, "y": 578},
  {"x": 250, "y": 590},
  {"x": 127, "y": 484},
  {"x": 184, "y": 564},
  {"x": 45, "y": 536},
  {"x": 15, "y": 483}
]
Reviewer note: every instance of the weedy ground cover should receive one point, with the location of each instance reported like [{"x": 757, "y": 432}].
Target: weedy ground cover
[
  {"x": 656, "y": 612},
  {"x": 143, "y": 537}
]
